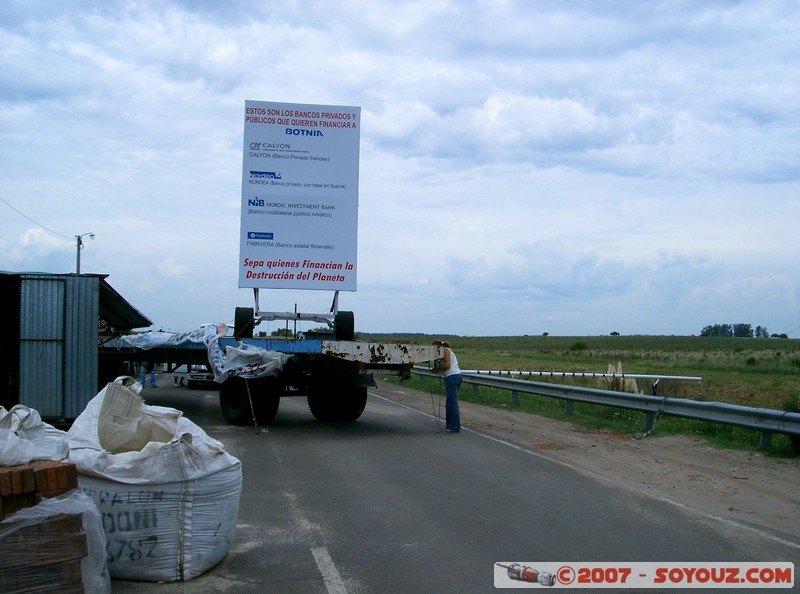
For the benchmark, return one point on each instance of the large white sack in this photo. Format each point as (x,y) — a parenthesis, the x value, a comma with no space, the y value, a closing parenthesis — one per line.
(169,531)
(25,438)
(168,494)
(121,438)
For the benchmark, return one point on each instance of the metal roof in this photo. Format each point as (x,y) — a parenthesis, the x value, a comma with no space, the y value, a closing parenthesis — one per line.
(114,308)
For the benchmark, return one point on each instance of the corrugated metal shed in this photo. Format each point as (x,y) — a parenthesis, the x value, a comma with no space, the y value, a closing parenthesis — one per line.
(49,337)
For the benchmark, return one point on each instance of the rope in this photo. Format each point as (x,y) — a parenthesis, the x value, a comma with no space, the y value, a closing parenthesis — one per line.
(252,408)
(436,415)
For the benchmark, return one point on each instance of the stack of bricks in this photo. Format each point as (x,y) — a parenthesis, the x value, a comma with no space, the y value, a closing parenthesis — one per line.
(44,556)
(27,484)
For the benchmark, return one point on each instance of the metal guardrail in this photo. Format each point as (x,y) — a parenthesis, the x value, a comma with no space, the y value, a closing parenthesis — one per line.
(765,420)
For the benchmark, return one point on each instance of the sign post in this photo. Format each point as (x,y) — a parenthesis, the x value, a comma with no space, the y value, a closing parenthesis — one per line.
(299,217)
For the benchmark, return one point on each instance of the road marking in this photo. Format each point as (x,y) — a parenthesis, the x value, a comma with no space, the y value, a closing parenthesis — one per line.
(333,581)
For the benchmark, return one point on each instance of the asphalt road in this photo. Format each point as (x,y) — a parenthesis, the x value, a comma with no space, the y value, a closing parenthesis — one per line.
(392,504)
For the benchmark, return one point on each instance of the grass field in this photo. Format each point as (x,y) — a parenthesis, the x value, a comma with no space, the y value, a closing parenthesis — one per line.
(746,371)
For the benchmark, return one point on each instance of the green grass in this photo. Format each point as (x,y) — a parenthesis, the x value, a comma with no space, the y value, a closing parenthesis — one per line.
(746,371)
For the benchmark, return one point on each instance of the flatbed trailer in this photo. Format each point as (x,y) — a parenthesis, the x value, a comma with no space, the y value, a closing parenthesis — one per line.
(332,374)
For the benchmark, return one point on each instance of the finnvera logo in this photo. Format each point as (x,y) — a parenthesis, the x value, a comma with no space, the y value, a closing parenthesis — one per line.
(260,235)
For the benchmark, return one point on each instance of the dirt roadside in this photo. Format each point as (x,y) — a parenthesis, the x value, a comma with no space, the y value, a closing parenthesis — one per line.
(747,488)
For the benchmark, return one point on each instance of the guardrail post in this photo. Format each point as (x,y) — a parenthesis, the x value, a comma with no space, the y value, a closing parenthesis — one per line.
(766,440)
(568,407)
(475,389)
(649,421)
(514,397)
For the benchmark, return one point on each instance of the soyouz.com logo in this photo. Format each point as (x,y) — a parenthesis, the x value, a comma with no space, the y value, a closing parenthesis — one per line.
(644,575)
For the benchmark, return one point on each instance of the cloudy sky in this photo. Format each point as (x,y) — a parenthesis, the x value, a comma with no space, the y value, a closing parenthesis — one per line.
(574,168)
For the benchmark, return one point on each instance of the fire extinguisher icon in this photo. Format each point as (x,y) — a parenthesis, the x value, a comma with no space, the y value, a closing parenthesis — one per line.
(523,573)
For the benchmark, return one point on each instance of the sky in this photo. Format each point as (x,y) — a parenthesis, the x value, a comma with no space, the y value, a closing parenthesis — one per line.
(526,167)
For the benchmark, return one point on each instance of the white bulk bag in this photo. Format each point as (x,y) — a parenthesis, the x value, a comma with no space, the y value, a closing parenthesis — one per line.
(25,438)
(168,494)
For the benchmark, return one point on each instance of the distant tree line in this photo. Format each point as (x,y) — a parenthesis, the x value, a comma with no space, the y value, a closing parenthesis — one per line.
(738,331)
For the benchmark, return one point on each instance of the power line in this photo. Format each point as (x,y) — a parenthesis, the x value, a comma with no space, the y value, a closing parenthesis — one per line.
(15,209)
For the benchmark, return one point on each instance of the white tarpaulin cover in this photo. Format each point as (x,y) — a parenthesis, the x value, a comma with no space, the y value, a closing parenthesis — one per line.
(149,340)
(245,361)
(168,494)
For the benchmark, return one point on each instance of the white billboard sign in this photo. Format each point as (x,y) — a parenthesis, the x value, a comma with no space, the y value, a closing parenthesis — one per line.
(299,220)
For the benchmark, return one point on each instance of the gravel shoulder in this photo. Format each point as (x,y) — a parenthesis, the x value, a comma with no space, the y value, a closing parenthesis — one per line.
(746,488)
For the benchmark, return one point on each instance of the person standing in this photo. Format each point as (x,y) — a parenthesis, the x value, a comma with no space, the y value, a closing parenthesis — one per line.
(448,367)
(151,369)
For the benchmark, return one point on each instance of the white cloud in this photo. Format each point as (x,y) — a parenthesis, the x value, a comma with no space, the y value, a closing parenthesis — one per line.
(570,168)
(170,267)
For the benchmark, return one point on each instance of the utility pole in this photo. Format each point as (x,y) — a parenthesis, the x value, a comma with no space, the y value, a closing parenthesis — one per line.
(78,248)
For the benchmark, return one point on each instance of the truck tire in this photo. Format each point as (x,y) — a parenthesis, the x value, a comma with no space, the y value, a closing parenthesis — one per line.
(344,325)
(337,406)
(265,413)
(243,322)
(234,401)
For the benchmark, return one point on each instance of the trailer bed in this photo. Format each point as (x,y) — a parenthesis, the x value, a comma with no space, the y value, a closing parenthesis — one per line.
(373,355)
(253,374)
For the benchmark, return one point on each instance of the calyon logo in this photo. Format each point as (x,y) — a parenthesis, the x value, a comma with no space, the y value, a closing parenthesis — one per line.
(259,146)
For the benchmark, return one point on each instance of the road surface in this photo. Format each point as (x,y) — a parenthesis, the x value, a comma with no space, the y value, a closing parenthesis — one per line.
(391,503)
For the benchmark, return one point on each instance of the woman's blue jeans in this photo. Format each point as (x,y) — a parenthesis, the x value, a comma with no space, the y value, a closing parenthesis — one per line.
(452,418)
